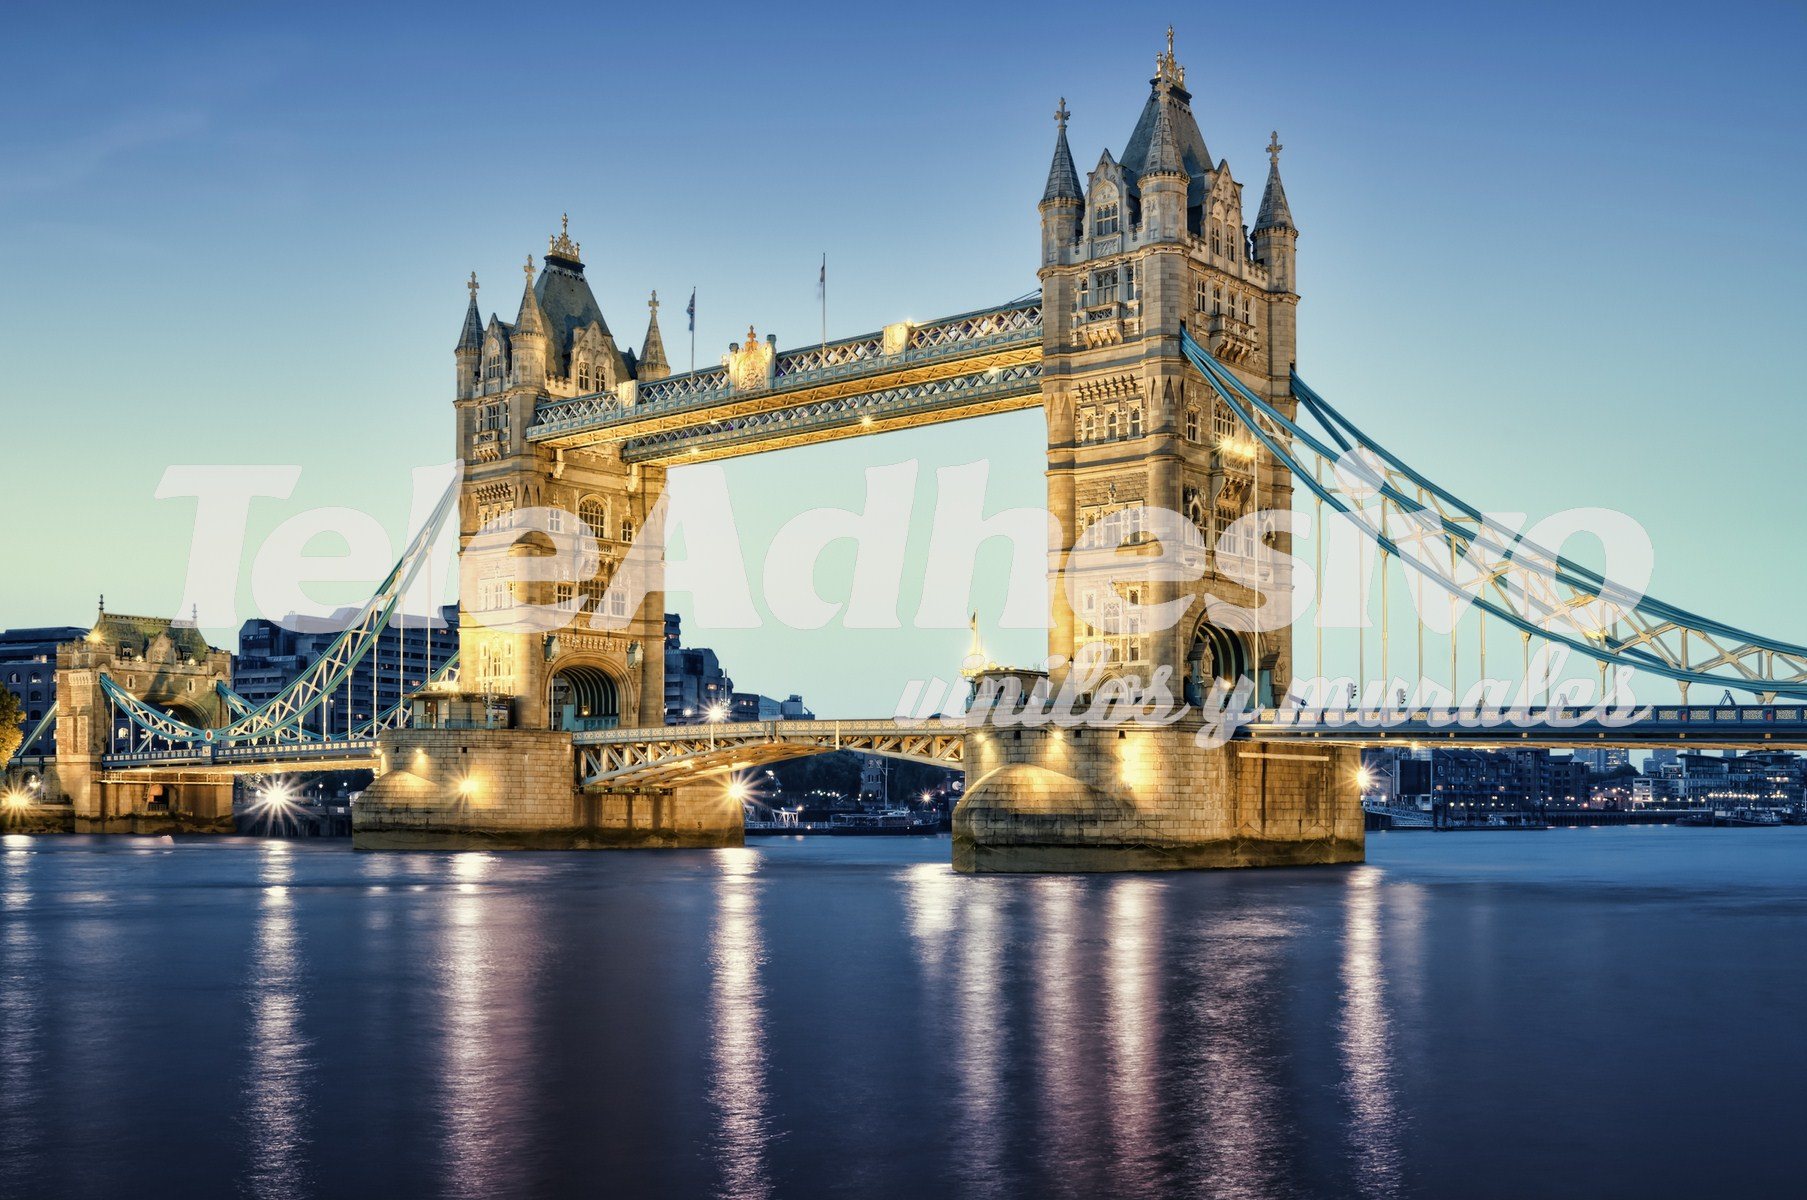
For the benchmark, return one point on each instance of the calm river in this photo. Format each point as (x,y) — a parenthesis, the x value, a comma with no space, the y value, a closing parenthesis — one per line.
(1586,1013)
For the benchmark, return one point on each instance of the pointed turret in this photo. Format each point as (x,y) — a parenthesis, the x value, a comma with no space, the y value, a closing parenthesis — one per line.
(1062,202)
(1164,180)
(652,363)
(471,336)
(1274,213)
(1163,143)
(529,338)
(469,351)
(1063,177)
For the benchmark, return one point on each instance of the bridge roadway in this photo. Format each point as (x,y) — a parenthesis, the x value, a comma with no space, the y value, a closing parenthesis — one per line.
(668,756)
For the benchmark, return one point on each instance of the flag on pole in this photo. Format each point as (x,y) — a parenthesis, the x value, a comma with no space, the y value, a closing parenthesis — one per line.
(691,311)
(822,280)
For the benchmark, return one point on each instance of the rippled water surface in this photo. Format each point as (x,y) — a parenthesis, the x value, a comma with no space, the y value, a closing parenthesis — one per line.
(1567,1013)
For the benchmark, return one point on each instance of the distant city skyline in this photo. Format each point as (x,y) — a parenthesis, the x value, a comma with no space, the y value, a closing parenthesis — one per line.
(1554,271)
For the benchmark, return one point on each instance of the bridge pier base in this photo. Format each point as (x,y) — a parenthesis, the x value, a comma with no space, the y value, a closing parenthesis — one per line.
(1151,799)
(449,789)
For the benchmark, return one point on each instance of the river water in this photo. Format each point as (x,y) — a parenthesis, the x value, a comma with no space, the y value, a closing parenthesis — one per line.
(1566,1013)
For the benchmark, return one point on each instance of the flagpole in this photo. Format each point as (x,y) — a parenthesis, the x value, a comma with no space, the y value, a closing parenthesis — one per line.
(693,330)
(824,289)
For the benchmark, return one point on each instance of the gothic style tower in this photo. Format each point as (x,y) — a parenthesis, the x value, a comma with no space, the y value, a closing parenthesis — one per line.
(1151,245)
(1155,242)
(523,504)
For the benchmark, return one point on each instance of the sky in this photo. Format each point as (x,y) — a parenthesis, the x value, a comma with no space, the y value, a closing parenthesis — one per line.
(1550,254)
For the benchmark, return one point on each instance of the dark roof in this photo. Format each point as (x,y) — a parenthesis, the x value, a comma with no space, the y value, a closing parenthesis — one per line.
(471,336)
(1063,177)
(1193,154)
(568,305)
(1274,212)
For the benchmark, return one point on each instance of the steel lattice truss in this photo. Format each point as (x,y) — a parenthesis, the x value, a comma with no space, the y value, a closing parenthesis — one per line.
(926,397)
(283,716)
(1471,555)
(671,756)
(943,340)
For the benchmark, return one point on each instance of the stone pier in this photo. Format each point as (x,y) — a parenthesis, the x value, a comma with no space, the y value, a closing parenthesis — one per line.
(440,789)
(1150,799)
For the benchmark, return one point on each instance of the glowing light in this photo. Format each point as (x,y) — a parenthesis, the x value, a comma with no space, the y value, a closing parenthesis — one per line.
(15,800)
(1241,448)
(718,711)
(1364,778)
(739,790)
(467,787)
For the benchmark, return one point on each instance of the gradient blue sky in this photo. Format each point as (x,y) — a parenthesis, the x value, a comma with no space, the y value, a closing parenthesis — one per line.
(1550,253)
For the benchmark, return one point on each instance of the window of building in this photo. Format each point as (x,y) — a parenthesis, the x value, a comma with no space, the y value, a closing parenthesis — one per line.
(595,514)
(1216,239)
(627,529)
(1192,424)
(1135,421)
(1105,220)
(1104,290)
(1216,301)
(1201,295)
(583,376)
(1111,426)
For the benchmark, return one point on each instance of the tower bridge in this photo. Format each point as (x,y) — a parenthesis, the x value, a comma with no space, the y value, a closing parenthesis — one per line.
(1161,346)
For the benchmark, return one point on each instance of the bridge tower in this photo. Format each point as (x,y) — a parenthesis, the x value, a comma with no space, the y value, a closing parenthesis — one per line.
(603,664)
(1149,244)
(165,663)
(561,602)
(1152,243)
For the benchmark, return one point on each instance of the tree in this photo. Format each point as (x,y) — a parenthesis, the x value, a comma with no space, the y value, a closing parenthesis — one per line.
(12,723)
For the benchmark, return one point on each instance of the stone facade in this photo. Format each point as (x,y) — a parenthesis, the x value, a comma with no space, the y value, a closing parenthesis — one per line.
(1144,798)
(548,527)
(1152,244)
(516,788)
(166,664)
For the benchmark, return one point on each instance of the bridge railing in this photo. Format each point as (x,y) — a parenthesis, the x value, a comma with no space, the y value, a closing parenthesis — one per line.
(777,730)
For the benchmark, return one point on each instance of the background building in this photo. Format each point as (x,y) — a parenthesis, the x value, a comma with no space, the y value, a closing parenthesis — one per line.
(406,655)
(28,671)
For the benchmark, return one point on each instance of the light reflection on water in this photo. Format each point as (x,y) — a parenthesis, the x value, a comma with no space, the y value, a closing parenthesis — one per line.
(276,1116)
(1367,1041)
(1132,988)
(737,1083)
(294,1019)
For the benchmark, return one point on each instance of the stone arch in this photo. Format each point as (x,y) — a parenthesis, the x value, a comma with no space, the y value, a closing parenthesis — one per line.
(1213,654)
(584,693)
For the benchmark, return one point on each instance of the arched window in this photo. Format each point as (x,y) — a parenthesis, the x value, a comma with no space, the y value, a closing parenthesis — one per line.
(1216,239)
(1135,422)
(583,376)
(1105,219)
(594,513)
(1110,425)
(1192,424)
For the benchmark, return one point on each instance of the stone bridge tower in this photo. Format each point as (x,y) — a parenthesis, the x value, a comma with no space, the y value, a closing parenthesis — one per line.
(1152,243)
(522,505)
(165,663)
(1149,245)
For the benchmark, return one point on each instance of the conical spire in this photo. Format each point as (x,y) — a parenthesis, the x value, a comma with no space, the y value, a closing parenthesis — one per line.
(653,364)
(1063,177)
(471,337)
(531,319)
(1163,144)
(1274,213)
